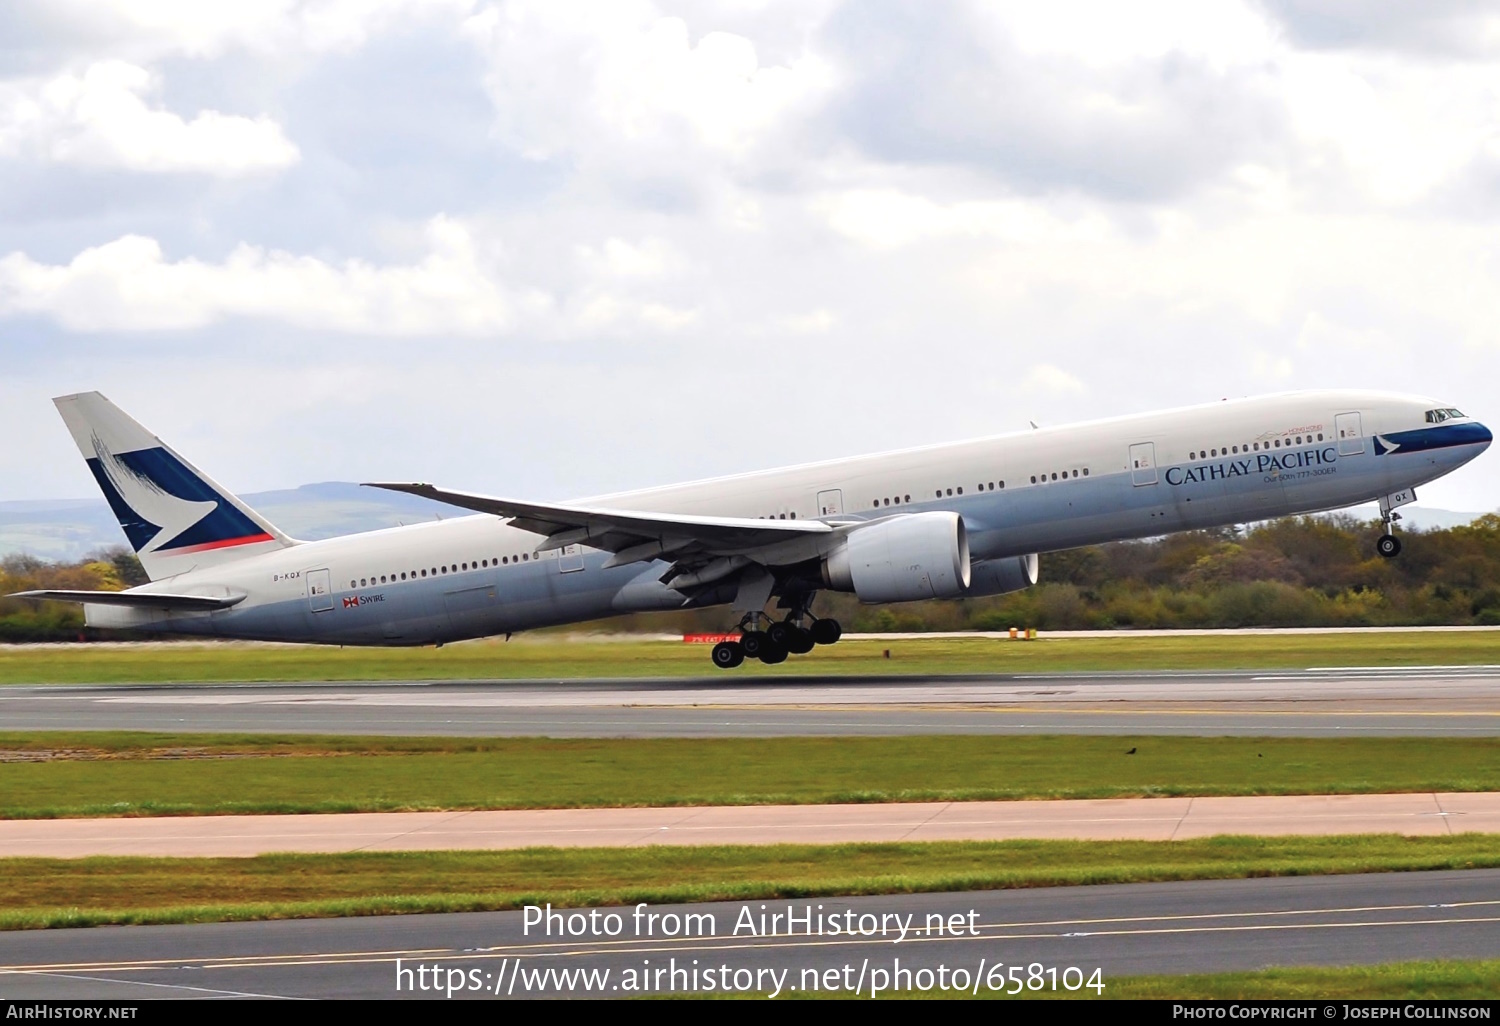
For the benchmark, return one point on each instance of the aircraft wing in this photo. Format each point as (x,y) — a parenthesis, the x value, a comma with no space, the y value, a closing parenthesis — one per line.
(630,534)
(139,599)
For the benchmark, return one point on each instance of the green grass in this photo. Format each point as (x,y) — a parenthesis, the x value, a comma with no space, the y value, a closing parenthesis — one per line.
(94,774)
(38,893)
(543,658)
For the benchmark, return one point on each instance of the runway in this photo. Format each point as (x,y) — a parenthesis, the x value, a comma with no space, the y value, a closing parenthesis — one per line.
(1145,819)
(1445,701)
(1172,928)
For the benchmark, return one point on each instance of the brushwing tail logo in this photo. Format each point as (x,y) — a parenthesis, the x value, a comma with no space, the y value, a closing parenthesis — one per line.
(165,507)
(1384,446)
(153,507)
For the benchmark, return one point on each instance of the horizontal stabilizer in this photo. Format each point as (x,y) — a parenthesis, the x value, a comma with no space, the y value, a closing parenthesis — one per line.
(137,599)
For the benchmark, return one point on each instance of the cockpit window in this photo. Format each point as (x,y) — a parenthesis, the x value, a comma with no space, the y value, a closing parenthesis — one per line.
(1455,414)
(1438,416)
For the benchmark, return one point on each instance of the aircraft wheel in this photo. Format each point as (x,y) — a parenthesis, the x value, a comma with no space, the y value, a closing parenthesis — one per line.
(826,632)
(801,641)
(780,634)
(771,654)
(1388,546)
(728,654)
(753,643)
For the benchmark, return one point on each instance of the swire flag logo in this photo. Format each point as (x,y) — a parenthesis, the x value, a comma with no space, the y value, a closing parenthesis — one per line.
(352,602)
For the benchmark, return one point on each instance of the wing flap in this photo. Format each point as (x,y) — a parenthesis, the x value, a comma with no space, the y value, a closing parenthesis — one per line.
(137,599)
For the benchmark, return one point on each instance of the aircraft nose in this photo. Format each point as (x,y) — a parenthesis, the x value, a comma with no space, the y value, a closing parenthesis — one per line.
(1482,435)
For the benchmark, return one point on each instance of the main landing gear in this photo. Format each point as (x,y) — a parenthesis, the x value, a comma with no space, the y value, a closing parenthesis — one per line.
(779,639)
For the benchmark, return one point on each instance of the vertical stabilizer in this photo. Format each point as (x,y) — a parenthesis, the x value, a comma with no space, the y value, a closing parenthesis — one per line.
(175,517)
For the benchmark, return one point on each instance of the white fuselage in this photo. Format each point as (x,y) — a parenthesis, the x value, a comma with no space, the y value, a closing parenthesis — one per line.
(1033,491)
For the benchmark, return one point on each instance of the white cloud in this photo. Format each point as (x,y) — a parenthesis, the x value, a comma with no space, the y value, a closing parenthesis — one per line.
(1319,332)
(1397,131)
(128,285)
(100,118)
(617,258)
(814,322)
(888,218)
(1101,32)
(1048,380)
(150,28)
(617,76)
(611,312)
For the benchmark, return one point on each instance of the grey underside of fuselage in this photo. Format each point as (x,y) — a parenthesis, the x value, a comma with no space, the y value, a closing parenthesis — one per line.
(1003,523)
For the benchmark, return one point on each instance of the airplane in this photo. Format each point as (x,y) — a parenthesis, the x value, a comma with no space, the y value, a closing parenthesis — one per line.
(943,521)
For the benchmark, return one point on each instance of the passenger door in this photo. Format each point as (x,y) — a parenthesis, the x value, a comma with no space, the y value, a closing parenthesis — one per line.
(319,591)
(831,502)
(1143,463)
(1351,437)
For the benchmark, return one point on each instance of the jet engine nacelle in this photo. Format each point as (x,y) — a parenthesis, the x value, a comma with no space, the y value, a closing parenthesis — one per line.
(917,556)
(998,576)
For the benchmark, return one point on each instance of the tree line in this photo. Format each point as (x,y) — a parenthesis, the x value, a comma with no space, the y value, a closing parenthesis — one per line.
(1293,572)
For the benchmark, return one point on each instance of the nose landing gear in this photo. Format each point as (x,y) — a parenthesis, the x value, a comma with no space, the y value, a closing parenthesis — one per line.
(1388,545)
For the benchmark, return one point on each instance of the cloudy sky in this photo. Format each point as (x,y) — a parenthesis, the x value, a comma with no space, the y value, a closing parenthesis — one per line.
(546,249)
